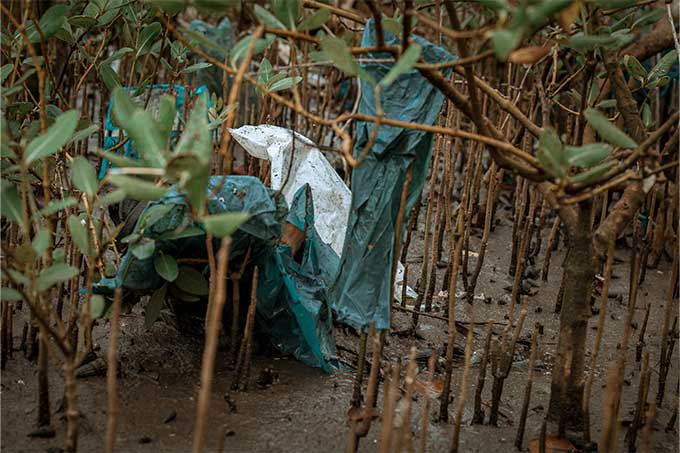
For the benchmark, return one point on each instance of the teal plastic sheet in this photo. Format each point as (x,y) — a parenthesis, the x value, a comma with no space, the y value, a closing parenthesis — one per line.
(292,306)
(361,291)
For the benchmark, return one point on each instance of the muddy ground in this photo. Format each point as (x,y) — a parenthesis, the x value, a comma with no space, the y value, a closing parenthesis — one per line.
(304,409)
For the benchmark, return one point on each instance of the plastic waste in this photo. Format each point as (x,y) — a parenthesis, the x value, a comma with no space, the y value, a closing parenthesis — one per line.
(361,292)
(293,308)
(332,198)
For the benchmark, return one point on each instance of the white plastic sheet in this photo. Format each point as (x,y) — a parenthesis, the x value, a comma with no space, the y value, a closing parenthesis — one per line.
(332,198)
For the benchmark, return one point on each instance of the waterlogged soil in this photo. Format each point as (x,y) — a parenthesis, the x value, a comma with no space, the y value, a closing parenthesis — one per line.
(290,407)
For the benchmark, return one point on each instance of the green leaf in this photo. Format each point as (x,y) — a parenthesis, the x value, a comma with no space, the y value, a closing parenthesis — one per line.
(505,41)
(195,67)
(155,305)
(593,174)
(50,22)
(196,141)
(220,225)
(190,231)
(54,207)
(339,54)
(109,76)
(119,160)
(606,104)
(267,18)
(5,71)
(550,153)
(116,196)
(41,242)
(265,72)
(152,214)
(607,130)
(10,203)
(615,4)
(166,267)
(147,36)
(664,65)
(10,295)
(316,20)
(635,68)
(404,64)
(79,233)
(658,83)
(167,111)
(650,17)
(54,138)
(98,306)
(240,48)
(84,22)
(288,11)
(285,84)
(59,254)
(55,274)
(118,54)
(141,127)
(83,133)
(587,155)
(143,248)
(137,188)
(83,175)
(583,42)
(192,281)
(647,118)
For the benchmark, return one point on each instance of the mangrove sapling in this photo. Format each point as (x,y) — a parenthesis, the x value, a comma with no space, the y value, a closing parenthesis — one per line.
(549,248)
(44,412)
(457,235)
(670,426)
(425,418)
(463,388)
(478,413)
(435,252)
(366,415)
(398,228)
(609,436)
(640,406)
(112,373)
(502,361)
(647,430)
(359,375)
(525,238)
(214,317)
(412,224)
(404,434)
(667,332)
(519,438)
(421,286)
(242,370)
(488,208)
(469,213)
(641,338)
(404,286)
(604,301)
(519,207)
(390,397)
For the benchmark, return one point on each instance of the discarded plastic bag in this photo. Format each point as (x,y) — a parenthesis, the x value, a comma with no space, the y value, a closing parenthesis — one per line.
(332,198)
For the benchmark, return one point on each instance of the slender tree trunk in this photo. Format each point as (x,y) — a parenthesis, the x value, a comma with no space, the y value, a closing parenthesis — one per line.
(574,316)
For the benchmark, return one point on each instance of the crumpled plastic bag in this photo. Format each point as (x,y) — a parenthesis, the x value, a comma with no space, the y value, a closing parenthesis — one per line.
(332,198)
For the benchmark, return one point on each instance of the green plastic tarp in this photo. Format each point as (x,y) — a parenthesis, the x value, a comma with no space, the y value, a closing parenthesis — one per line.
(361,291)
(292,306)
